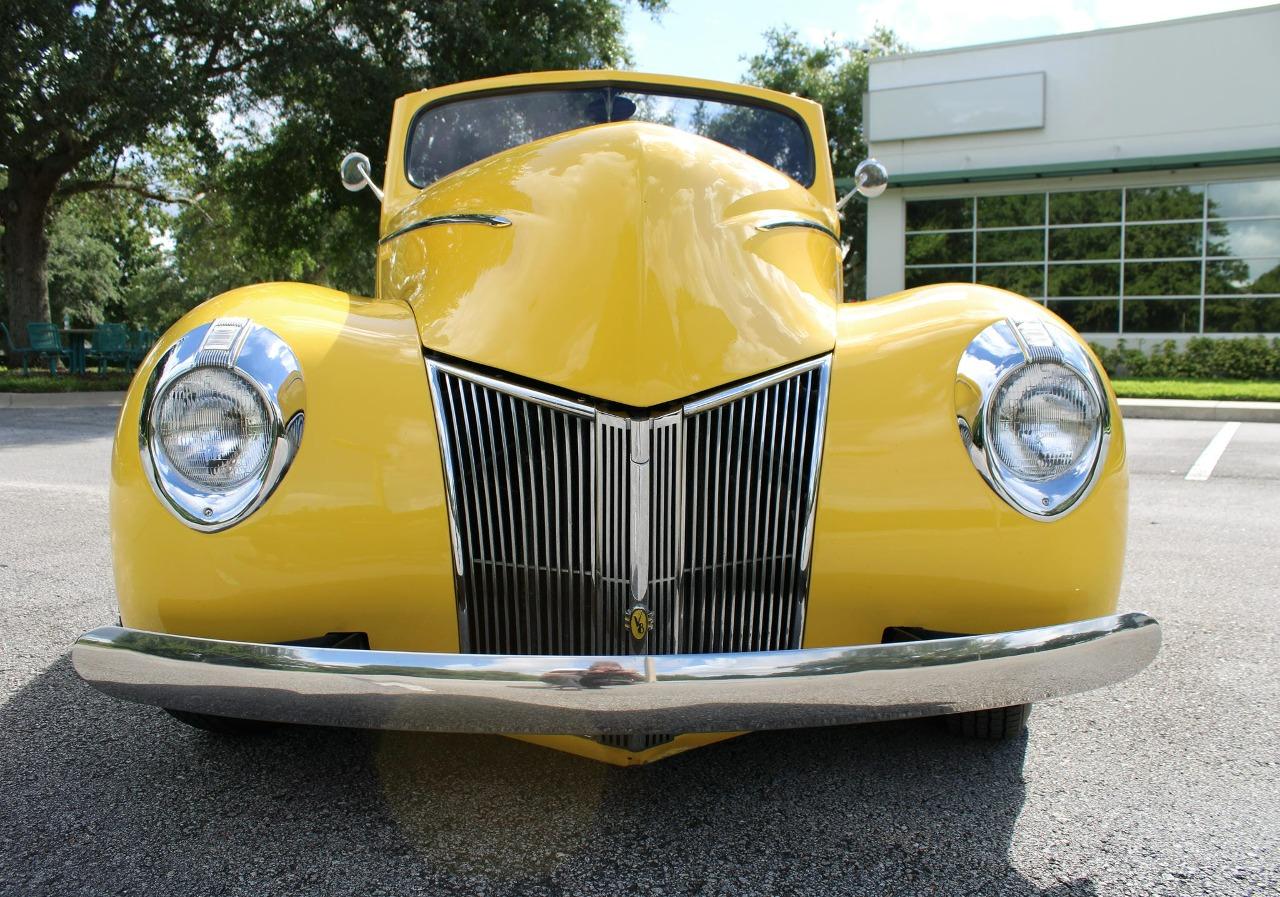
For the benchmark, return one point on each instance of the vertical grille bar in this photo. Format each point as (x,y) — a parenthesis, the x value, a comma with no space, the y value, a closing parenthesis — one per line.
(666,462)
(542,495)
(716,507)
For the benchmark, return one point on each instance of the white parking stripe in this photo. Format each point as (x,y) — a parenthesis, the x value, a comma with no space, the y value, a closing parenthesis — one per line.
(1208,460)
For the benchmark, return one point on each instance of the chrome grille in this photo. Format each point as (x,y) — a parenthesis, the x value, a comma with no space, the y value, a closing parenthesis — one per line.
(521,476)
(565,517)
(751,465)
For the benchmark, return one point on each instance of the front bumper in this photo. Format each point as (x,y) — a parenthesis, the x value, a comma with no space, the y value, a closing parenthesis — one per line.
(676,693)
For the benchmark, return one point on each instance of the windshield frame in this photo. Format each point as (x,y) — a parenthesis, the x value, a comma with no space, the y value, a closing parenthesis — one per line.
(680,92)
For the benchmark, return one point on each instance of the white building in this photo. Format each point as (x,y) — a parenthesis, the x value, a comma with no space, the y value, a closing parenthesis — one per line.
(1129,178)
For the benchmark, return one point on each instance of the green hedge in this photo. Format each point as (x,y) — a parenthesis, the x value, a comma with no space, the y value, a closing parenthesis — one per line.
(1200,358)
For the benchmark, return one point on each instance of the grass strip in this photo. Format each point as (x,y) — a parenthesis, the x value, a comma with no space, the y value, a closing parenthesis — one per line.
(1204,390)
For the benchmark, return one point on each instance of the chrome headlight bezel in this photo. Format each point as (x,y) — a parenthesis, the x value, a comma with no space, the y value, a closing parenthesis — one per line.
(267,364)
(998,353)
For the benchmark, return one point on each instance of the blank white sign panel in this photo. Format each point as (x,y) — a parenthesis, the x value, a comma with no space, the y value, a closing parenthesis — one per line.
(1008,103)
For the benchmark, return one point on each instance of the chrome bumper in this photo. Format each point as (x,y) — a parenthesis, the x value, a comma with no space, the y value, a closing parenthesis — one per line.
(596,695)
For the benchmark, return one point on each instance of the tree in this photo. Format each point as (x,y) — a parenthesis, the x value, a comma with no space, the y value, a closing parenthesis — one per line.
(834,74)
(119,95)
(89,86)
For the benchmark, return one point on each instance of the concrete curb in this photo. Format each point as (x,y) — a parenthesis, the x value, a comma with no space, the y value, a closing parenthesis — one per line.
(61,399)
(1183,409)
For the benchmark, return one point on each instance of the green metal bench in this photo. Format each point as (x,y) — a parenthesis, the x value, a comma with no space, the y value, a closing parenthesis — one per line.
(47,342)
(12,352)
(109,345)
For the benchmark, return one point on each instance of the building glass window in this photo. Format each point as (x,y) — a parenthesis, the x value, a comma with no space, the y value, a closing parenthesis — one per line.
(1090,315)
(1164,203)
(940,214)
(1162,278)
(939,248)
(1250,237)
(1028,280)
(1084,280)
(1235,276)
(1252,315)
(1244,199)
(1163,241)
(1069,244)
(1181,258)
(1085,207)
(1019,210)
(1161,315)
(1011,245)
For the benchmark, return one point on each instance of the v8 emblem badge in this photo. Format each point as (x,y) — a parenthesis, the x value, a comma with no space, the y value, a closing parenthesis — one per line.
(639,622)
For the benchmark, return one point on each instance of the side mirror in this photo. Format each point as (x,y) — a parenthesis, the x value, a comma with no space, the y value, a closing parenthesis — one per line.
(355,173)
(869,180)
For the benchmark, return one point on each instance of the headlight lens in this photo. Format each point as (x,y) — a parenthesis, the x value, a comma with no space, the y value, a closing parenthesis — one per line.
(1045,420)
(214,429)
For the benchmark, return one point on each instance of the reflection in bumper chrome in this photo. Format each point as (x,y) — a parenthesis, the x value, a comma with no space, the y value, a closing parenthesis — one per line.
(594,695)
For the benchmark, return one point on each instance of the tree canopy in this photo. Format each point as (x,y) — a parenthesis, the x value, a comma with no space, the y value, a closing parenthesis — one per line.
(833,73)
(98,96)
(247,104)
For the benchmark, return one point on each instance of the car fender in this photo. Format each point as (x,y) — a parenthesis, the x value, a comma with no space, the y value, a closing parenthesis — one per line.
(907,531)
(354,538)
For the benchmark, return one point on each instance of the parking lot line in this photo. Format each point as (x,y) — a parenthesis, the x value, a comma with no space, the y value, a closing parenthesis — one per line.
(1208,460)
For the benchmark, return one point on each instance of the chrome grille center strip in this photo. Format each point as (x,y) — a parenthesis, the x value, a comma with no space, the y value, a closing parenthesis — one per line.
(577,530)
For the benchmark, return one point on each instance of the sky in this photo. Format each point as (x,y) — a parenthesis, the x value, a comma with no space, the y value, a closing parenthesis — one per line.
(707,38)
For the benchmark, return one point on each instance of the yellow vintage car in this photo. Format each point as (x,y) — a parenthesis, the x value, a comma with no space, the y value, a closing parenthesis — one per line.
(607,464)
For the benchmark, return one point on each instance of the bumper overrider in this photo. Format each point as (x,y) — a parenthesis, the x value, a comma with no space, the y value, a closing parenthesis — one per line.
(614,695)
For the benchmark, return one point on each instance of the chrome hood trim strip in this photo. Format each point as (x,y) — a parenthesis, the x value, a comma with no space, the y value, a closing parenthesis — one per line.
(798,222)
(457,218)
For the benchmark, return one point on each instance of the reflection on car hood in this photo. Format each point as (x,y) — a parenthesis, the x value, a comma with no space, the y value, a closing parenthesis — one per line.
(634,269)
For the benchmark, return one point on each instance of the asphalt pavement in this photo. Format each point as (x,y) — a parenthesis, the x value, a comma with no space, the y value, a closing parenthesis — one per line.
(1166,784)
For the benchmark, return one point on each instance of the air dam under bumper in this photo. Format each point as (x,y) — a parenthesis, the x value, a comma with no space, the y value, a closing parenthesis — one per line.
(628,694)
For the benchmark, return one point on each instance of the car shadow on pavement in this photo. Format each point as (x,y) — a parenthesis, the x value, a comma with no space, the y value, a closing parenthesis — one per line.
(98,796)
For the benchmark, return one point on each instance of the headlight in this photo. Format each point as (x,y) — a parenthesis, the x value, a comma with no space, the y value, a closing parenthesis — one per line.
(221,422)
(1032,412)
(214,429)
(1046,418)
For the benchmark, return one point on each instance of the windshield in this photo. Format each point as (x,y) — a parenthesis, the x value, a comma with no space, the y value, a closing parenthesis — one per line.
(452,135)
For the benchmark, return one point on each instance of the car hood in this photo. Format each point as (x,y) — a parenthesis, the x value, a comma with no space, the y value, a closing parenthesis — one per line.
(634,270)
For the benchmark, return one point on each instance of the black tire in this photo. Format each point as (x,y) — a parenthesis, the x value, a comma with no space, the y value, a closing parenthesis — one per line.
(221,725)
(996,724)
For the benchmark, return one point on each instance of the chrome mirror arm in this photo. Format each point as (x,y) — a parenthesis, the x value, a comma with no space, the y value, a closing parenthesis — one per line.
(356,174)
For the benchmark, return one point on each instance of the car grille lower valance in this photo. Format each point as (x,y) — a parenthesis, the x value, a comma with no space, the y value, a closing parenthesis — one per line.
(580,531)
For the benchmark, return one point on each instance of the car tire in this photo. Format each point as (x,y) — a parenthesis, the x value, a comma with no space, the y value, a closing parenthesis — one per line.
(221,725)
(996,724)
